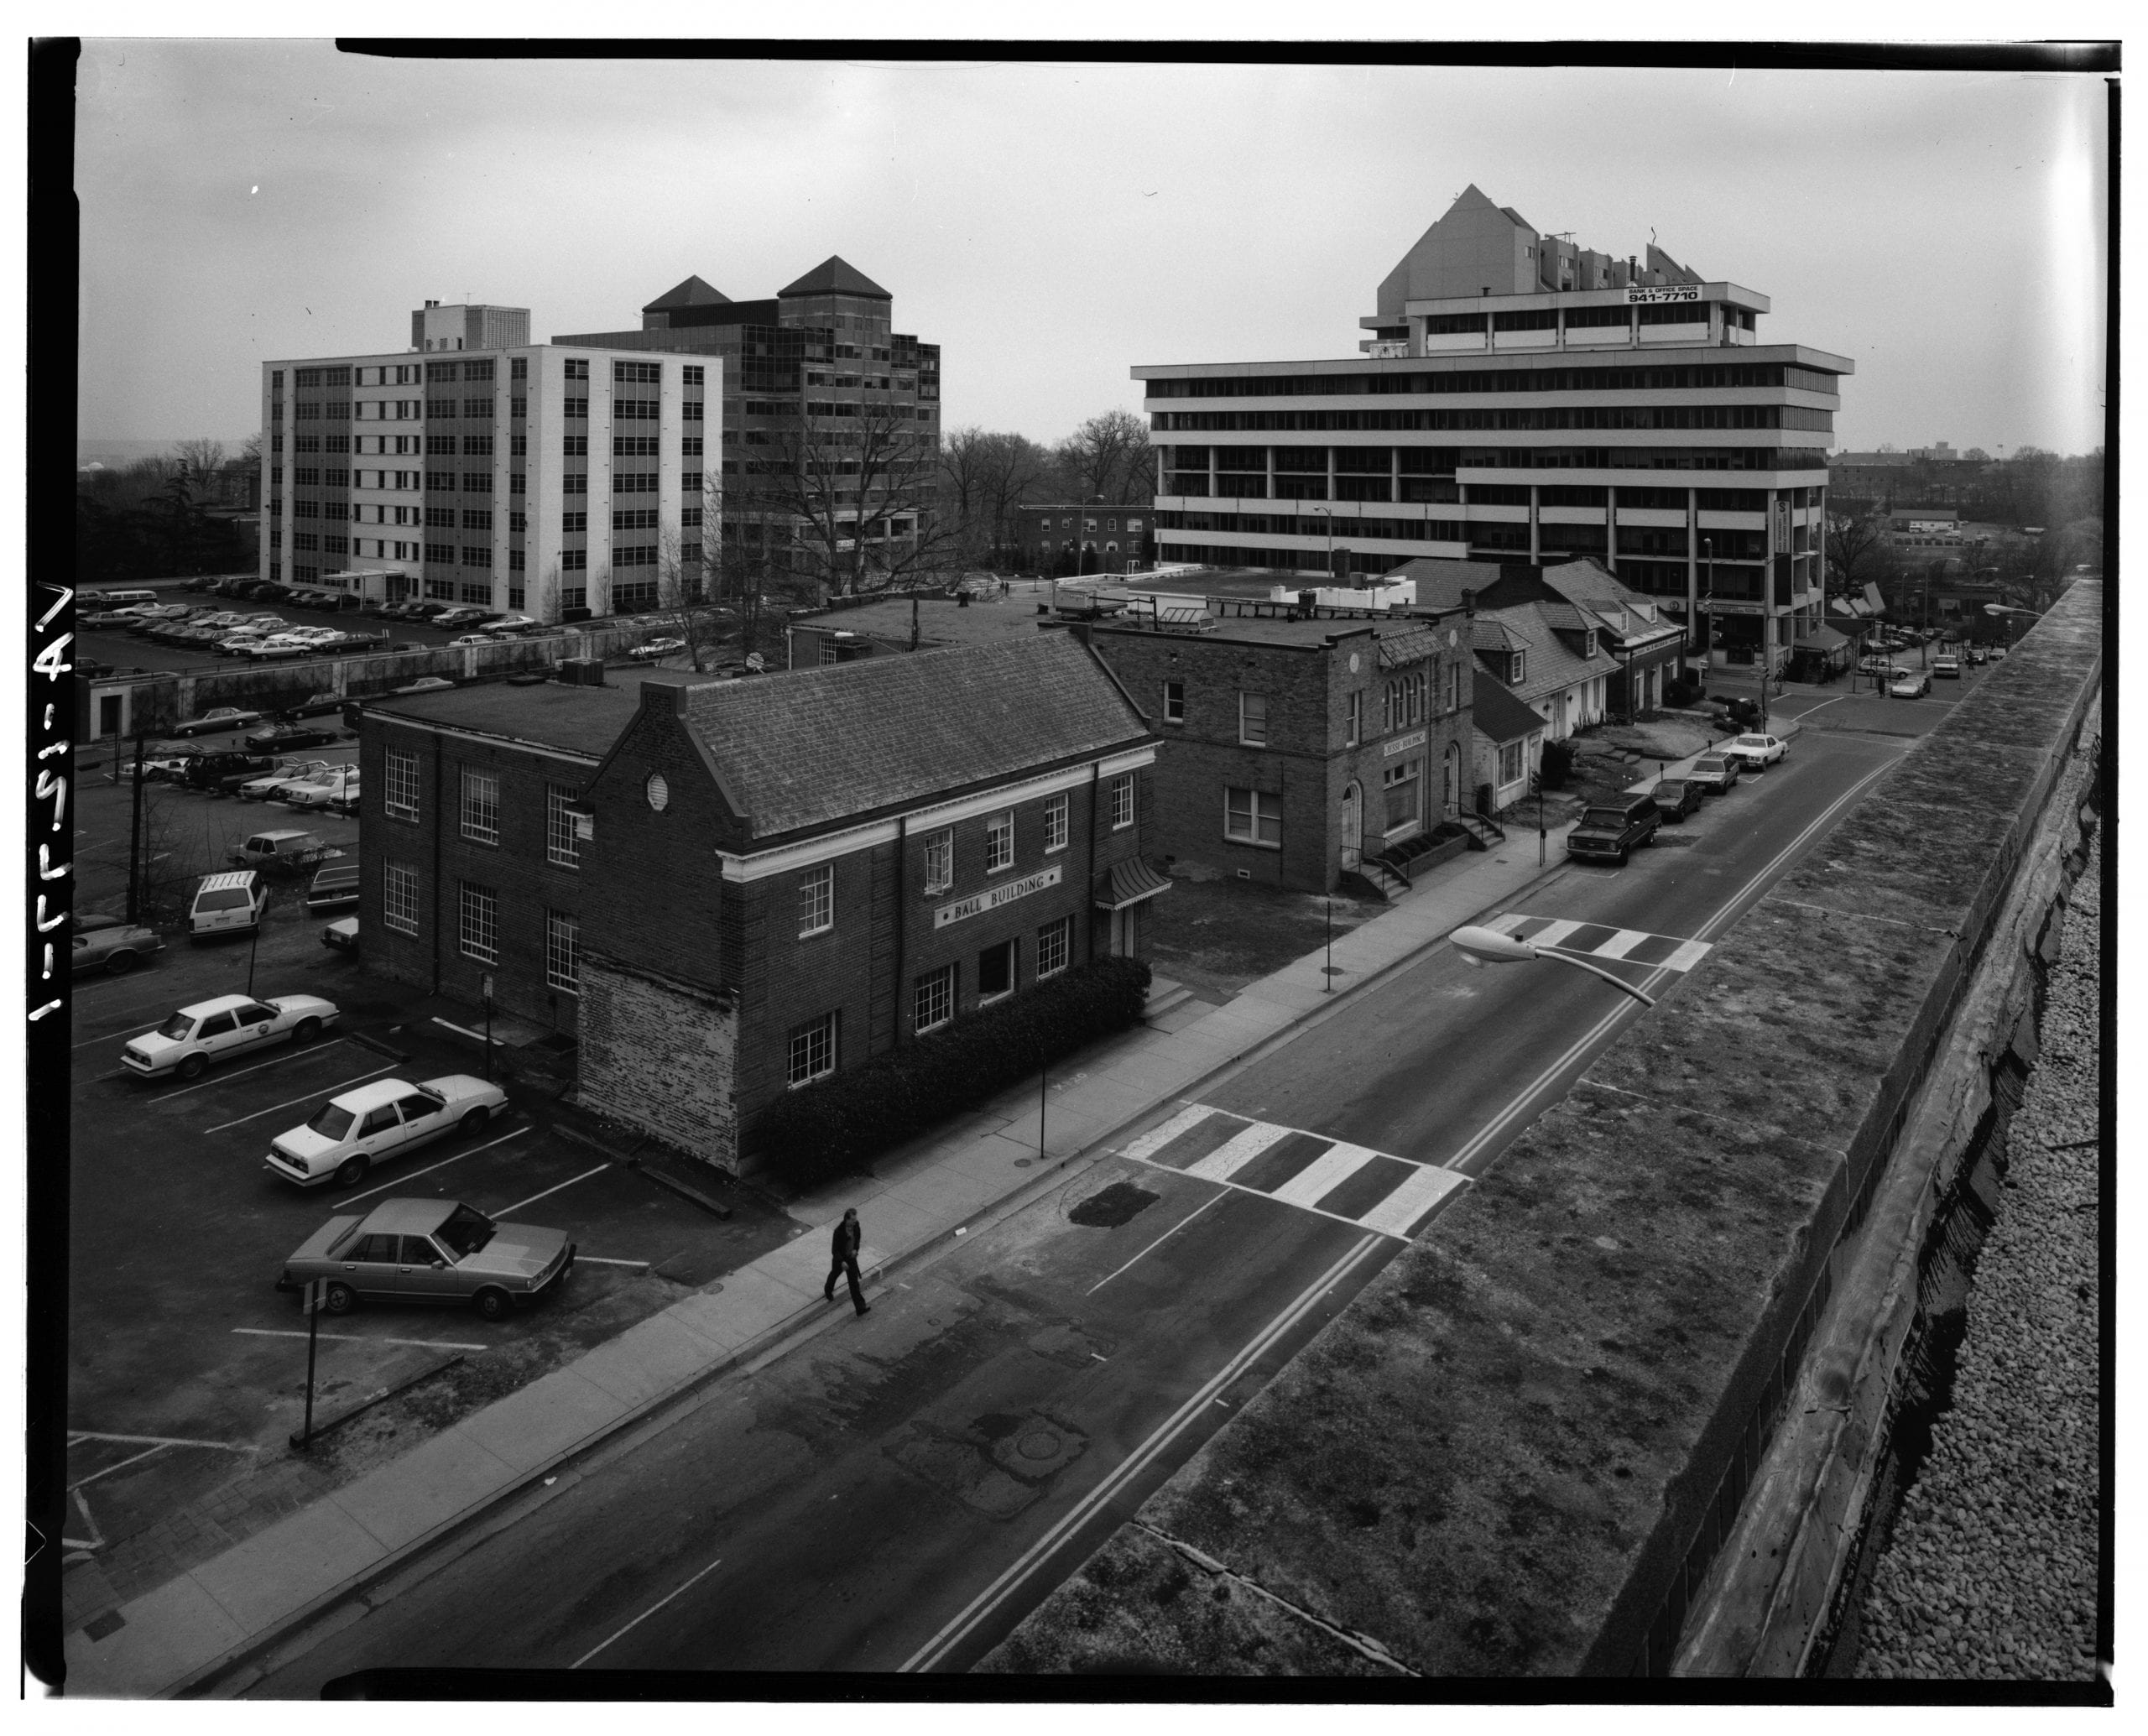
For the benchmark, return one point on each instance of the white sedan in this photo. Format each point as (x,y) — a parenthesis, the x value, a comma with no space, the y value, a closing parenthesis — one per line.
(1755,750)
(270,785)
(280,644)
(471,638)
(324,791)
(1910,685)
(370,1123)
(210,1030)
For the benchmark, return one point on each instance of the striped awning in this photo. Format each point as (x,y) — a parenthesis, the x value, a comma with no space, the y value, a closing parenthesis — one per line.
(1127,883)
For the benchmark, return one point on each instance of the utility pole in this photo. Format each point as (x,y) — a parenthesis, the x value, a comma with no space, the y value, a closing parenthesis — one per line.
(135,840)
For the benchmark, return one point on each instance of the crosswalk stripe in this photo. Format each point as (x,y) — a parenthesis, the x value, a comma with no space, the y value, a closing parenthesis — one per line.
(1235,1153)
(1323,1175)
(1689,954)
(1620,944)
(1552,935)
(1418,1194)
(1157,1138)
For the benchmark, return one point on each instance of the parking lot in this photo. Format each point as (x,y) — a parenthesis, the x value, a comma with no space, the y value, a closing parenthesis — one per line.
(187,1367)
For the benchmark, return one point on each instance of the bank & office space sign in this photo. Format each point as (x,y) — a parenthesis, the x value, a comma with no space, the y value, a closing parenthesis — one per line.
(1655,294)
(993,897)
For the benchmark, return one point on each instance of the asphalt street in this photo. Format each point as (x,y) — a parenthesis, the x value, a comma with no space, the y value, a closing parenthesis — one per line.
(895,1492)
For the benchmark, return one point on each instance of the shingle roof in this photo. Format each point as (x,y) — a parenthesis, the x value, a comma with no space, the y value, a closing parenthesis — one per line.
(1551,667)
(692,292)
(1486,633)
(835,276)
(1410,646)
(1498,714)
(826,745)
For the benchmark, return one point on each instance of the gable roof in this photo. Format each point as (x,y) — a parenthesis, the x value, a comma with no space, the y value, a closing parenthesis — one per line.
(692,292)
(1489,634)
(836,276)
(1551,667)
(1497,714)
(819,747)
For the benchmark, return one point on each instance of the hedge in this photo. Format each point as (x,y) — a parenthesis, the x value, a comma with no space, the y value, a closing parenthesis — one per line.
(836,1125)
(1557,764)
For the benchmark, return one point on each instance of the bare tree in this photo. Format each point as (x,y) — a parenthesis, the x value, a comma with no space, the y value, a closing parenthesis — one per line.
(1016,470)
(201,458)
(983,476)
(851,489)
(686,585)
(1106,458)
(1854,545)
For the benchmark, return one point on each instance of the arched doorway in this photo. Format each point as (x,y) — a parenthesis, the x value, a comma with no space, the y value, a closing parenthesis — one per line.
(1451,795)
(1352,827)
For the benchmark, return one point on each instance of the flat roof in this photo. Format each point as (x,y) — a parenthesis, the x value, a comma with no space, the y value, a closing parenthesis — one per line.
(569,719)
(1243,629)
(1800,354)
(941,621)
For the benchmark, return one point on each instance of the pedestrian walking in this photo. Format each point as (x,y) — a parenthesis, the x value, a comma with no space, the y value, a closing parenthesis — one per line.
(849,1237)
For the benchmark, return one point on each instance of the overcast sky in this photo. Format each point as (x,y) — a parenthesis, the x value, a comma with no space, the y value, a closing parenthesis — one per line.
(1051,226)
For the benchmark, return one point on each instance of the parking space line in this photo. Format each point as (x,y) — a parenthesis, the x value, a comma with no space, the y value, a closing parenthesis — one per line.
(356,1079)
(595,1259)
(131,1458)
(263,1331)
(290,1053)
(548,1191)
(354,1198)
(75,1436)
(115,1037)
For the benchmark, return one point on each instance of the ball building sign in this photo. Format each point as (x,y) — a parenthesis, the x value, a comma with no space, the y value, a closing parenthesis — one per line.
(994,898)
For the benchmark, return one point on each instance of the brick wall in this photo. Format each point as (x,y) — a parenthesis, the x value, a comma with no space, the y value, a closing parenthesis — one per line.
(657,1053)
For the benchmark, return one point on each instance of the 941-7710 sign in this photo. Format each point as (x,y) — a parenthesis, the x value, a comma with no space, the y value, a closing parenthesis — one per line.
(994,897)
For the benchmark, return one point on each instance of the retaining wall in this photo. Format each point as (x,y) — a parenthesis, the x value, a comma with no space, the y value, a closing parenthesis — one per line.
(1520,1449)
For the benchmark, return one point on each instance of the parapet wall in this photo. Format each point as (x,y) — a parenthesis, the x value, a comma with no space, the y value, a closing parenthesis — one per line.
(1519,1449)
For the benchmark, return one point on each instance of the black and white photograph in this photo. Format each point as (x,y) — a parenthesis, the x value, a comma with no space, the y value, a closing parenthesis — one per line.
(1132,871)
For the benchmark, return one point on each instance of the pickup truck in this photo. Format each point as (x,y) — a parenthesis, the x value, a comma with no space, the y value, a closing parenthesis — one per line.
(222,774)
(1612,830)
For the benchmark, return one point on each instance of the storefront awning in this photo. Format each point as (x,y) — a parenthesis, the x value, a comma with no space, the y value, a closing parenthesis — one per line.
(1822,639)
(1129,883)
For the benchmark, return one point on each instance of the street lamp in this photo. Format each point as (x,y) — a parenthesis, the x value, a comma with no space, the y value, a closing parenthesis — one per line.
(1328,514)
(1487,946)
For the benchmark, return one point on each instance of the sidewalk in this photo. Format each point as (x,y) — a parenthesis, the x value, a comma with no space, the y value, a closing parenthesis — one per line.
(239,1603)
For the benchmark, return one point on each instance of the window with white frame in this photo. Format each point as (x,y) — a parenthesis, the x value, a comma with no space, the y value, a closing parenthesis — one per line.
(812,1051)
(1453,687)
(1174,702)
(940,861)
(1517,668)
(562,848)
(1122,802)
(1253,719)
(398,896)
(401,781)
(995,972)
(480,931)
(932,999)
(1511,761)
(816,900)
(1401,786)
(999,841)
(1054,945)
(1253,816)
(481,806)
(563,952)
(1353,724)
(1055,824)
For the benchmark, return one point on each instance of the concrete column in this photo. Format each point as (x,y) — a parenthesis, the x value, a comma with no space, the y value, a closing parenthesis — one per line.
(1535,552)
(1611,527)
(1692,571)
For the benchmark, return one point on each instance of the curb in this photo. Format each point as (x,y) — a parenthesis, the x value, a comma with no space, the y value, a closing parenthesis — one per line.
(804,1322)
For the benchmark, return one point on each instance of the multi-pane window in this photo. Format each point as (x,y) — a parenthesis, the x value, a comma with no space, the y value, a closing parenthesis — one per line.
(398,896)
(1174,702)
(816,900)
(480,928)
(1055,824)
(1402,702)
(1453,700)
(1122,801)
(813,1049)
(1253,719)
(562,848)
(940,861)
(481,806)
(402,785)
(999,841)
(563,952)
(932,1000)
(1055,944)
(1253,816)
(1517,668)
(995,972)
(1355,724)
(1510,762)
(1400,785)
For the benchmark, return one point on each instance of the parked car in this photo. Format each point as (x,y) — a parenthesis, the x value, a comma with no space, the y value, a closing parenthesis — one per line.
(226,904)
(345,799)
(512,623)
(322,704)
(650,649)
(185,1043)
(238,643)
(221,774)
(1912,685)
(1675,798)
(464,615)
(341,936)
(1979,654)
(471,638)
(1753,752)
(430,1251)
(115,948)
(1613,829)
(371,1122)
(278,644)
(166,762)
(1947,668)
(333,887)
(1715,773)
(265,787)
(319,792)
(218,717)
(284,737)
(424,684)
(286,850)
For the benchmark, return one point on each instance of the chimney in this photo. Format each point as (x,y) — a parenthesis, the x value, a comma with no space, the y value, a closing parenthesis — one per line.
(432,303)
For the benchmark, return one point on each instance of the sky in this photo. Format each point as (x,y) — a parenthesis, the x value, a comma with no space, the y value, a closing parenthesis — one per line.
(1051,225)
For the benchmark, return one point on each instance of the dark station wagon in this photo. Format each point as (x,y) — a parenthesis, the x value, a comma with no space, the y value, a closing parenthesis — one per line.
(1612,830)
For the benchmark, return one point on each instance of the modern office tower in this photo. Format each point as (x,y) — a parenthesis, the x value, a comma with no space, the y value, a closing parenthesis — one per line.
(821,359)
(1522,398)
(542,478)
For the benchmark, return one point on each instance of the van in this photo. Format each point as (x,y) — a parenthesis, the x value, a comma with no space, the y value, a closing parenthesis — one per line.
(287,850)
(128,599)
(226,904)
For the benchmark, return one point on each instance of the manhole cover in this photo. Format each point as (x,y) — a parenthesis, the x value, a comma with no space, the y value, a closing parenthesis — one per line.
(1038,1448)
(1113,1206)
(1041,1444)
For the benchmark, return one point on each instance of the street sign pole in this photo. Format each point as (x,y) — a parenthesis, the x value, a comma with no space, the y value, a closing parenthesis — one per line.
(316,1292)
(488,1025)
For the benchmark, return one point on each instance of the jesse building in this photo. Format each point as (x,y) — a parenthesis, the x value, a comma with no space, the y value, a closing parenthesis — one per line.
(1522,398)
(477,467)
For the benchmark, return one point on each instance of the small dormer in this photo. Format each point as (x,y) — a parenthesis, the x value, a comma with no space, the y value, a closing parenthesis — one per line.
(1587,643)
(1517,668)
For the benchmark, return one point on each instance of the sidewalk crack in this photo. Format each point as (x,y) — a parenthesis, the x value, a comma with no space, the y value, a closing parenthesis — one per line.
(1363,1644)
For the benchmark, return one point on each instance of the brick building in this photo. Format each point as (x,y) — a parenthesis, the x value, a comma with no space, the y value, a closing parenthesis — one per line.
(799,874)
(469,865)
(1295,749)
(1076,539)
